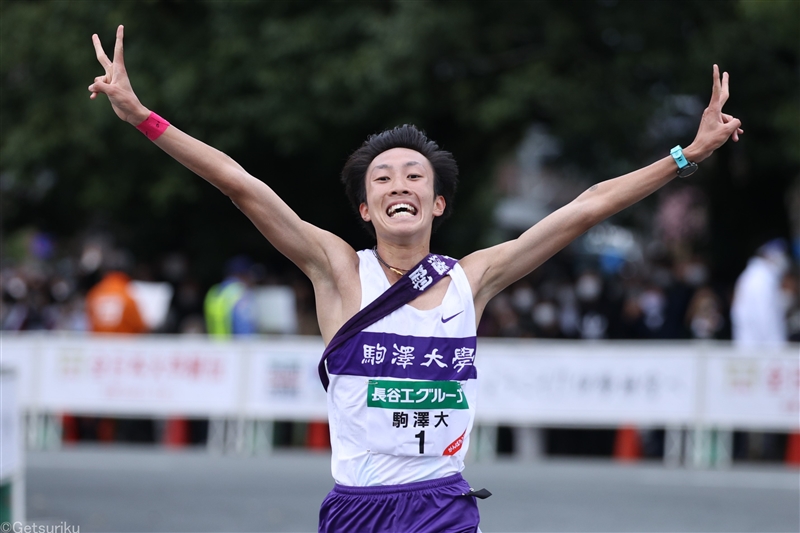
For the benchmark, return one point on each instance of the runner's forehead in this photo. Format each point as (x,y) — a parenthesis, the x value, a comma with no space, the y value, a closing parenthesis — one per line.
(400,158)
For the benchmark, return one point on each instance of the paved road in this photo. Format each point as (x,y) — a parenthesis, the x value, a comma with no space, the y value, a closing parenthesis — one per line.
(129,490)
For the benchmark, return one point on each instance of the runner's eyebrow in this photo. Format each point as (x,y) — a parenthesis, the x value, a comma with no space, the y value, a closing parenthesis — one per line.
(387,165)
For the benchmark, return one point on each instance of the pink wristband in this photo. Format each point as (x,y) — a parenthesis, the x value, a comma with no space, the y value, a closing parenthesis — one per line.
(153,126)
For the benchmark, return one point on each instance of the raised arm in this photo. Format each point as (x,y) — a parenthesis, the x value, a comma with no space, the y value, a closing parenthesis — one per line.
(311,248)
(325,258)
(493,269)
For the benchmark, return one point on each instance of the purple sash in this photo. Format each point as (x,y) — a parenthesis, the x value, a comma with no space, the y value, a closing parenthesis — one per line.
(423,276)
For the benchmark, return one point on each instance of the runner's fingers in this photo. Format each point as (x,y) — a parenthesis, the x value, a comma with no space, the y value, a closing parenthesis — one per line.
(715,86)
(724,91)
(118,56)
(734,125)
(100,85)
(727,118)
(101,55)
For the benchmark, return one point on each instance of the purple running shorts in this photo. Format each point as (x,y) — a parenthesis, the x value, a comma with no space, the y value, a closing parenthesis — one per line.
(435,506)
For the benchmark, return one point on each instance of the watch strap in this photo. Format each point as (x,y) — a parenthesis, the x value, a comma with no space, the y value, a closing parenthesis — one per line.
(677,155)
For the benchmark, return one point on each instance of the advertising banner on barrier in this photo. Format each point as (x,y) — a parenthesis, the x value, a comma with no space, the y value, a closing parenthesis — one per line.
(756,390)
(283,382)
(521,382)
(20,354)
(552,383)
(130,376)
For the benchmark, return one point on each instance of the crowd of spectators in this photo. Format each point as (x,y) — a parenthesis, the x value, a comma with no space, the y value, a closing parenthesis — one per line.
(572,296)
(663,299)
(45,287)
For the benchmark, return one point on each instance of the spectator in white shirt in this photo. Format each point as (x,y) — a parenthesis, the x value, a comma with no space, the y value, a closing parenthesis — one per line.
(758,313)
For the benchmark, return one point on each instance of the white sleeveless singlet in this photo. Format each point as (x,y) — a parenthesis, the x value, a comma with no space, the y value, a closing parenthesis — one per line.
(403,392)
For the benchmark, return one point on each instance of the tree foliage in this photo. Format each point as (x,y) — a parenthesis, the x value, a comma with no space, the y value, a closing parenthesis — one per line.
(289,88)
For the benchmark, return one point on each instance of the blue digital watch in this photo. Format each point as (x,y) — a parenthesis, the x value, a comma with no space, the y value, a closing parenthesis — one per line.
(685,167)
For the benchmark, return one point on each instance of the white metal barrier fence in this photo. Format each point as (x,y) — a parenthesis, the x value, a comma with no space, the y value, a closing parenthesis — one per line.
(12,451)
(696,385)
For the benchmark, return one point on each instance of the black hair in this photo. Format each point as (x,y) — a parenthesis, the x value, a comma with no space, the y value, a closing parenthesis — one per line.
(445,169)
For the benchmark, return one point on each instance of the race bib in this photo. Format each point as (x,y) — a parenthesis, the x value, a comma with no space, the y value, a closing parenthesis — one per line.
(413,418)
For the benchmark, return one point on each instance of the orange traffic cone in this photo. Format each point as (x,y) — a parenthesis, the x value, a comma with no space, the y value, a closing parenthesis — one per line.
(106,429)
(176,433)
(318,436)
(69,429)
(627,447)
(793,449)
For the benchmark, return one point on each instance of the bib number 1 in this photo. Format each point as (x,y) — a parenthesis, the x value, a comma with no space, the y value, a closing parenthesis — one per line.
(413,418)
(421,437)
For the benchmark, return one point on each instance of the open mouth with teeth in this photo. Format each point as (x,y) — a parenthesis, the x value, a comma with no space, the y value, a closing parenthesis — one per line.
(401,210)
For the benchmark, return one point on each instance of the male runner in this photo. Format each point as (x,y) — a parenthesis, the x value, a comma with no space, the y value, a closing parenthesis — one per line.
(402,381)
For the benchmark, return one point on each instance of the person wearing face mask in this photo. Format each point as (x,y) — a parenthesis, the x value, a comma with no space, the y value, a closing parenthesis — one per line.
(594,309)
(758,309)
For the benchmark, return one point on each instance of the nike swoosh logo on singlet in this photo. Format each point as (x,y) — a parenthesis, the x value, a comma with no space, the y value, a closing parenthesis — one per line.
(448,319)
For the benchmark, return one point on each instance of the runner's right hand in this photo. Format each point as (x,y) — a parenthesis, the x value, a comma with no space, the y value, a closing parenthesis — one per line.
(116,85)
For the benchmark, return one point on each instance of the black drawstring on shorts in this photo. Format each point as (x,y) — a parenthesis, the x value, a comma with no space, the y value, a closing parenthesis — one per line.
(480,493)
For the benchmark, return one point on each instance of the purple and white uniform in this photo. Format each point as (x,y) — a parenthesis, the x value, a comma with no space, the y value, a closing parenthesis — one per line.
(402,399)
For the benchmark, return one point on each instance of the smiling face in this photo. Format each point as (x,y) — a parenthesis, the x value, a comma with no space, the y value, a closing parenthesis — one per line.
(400,195)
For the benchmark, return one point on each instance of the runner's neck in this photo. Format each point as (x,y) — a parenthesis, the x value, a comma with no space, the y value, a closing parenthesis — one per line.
(397,261)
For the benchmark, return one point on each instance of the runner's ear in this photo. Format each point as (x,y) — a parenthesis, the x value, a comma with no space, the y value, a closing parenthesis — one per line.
(439,205)
(364,211)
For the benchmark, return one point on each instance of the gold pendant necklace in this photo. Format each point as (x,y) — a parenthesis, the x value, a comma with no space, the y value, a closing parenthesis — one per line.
(398,271)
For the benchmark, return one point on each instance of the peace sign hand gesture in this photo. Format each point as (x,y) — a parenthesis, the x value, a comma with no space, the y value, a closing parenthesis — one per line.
(716,127)
(116,85)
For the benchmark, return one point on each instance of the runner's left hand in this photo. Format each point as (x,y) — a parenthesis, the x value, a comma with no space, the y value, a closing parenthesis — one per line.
(716,127)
